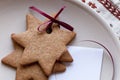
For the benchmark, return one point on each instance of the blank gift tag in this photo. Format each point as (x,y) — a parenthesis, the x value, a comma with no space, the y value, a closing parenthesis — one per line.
(86,65)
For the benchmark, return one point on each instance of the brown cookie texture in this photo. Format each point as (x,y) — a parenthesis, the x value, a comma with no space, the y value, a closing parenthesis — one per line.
(32,25)
(66,57)
(32,71)
(43,48)
(8,59)
(13,59)
(58,68)
(33,22)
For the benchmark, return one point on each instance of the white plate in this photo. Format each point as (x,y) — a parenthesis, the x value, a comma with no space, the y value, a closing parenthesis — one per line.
(87,25)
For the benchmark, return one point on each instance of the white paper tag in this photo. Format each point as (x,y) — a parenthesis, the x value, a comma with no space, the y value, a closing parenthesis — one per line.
(86,65)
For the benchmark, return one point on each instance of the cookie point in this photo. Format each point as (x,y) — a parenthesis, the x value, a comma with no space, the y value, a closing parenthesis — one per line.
(71,60)
(12,35)
(28,15)
(2,60)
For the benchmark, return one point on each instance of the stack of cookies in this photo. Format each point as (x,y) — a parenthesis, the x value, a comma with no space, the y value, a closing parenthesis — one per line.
(37,55)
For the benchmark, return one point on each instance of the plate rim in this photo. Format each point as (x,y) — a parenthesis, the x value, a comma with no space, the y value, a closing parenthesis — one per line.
(99,18)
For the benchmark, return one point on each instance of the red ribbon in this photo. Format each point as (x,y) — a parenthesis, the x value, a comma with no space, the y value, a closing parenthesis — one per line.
(65,25)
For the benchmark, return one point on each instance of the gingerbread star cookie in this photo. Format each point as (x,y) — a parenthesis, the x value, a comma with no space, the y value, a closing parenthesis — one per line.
(33,22)
(13,59)
(32,71)
(43,48)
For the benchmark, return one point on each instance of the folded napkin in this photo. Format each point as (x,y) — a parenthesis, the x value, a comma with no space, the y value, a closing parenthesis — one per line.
(86,65)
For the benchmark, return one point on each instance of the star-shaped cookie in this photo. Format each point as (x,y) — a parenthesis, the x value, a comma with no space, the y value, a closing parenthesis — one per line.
(13,59)
(43,48)
(30,71)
